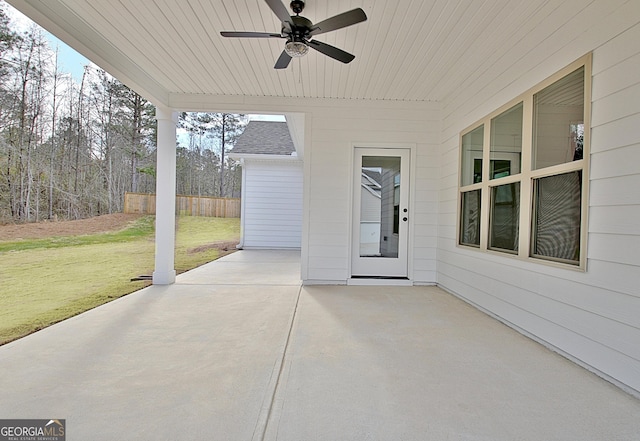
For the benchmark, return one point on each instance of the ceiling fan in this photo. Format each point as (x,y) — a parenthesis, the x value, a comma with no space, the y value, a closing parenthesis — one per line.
(299,32)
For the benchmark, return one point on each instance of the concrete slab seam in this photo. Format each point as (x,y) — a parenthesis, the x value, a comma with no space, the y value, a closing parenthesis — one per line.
(266,415)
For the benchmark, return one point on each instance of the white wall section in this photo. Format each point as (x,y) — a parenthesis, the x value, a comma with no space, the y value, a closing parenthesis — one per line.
(336,128)
(272,205)
(594,316)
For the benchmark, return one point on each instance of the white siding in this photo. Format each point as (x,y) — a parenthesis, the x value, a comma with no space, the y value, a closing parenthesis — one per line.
(332,127)
(272,205)
(335,128)
(592,316)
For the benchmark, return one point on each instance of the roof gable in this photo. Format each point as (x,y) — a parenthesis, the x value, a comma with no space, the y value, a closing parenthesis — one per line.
(265,138)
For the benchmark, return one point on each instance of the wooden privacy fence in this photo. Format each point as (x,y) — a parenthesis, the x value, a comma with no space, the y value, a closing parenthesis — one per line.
(144,203)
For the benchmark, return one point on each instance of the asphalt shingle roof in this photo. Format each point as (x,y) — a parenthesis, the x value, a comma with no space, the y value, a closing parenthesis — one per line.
(265,138)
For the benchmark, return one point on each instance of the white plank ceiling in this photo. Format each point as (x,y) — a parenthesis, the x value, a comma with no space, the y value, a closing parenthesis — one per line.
(408,50)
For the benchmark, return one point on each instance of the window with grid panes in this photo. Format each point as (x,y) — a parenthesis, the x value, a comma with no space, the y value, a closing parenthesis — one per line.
(523,186)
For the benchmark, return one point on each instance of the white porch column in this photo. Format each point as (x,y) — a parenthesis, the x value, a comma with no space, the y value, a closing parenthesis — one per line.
(165,272)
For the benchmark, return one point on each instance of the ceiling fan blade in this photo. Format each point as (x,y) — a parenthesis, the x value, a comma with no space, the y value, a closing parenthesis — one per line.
(339,21)
(250,34)
(280,10)
(331,51)
(283,61)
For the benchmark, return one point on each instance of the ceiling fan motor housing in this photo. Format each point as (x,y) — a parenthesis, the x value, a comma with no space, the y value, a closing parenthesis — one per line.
(300,29)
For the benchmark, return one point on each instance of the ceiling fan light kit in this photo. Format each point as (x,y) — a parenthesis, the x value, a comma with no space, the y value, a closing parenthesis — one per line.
(300,31)
(296,49)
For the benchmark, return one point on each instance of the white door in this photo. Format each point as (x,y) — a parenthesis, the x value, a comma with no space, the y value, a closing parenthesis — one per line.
(380,213)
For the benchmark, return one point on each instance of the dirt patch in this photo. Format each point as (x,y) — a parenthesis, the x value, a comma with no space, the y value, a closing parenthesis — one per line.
(97,224)
(224,247)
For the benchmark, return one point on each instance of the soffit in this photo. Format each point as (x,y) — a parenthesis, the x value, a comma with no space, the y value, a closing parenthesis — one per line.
(407,50)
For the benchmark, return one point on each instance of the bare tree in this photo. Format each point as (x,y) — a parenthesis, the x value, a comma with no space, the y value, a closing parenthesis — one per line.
(72,149)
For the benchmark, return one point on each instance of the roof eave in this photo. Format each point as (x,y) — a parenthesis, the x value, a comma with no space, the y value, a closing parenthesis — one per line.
(264,157)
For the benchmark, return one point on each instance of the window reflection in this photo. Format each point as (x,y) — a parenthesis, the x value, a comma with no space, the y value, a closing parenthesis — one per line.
(505,216)
(472,156)
(506,143)
(379,206)
(470,225)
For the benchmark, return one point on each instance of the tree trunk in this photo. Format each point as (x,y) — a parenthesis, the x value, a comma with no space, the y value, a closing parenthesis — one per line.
(223,135)
(79,136)
(53,135)
(135,140)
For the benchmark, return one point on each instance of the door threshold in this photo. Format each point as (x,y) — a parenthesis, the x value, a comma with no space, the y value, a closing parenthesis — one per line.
(379,281)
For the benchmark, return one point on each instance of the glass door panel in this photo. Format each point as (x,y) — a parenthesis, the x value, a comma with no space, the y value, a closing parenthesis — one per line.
(380,206)
(380,212)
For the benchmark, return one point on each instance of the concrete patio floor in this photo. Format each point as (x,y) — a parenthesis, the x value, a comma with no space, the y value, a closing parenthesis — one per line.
(239,350)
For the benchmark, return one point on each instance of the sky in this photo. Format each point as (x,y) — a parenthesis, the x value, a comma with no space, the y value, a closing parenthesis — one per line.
(72,62)
(69,60)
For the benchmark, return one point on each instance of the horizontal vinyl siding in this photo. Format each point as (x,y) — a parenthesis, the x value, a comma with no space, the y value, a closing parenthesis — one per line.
(425,214)
(592,316)
(272,216)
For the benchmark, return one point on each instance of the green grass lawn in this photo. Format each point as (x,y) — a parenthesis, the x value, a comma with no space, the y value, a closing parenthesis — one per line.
(43,281)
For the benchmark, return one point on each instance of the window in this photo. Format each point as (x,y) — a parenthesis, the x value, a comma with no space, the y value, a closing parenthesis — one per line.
(505,217)
(506,143)
(558,116)
(470,225)
(556,224)
(472,156)
(523,173)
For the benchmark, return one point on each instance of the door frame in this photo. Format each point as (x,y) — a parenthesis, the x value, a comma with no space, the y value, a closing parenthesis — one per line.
(377,280)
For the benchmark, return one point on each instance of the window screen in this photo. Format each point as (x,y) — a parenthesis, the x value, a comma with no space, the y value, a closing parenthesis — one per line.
(556,226)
